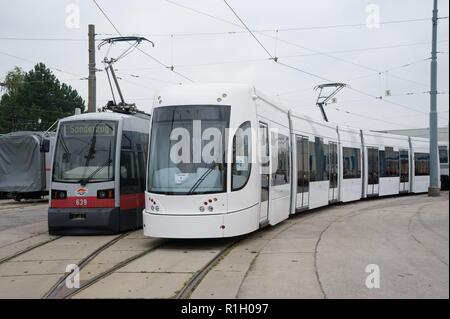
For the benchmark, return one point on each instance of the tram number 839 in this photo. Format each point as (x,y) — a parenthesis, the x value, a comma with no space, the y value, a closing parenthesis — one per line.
(81,202)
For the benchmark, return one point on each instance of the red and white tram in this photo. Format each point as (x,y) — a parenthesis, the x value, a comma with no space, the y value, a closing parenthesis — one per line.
(98,174)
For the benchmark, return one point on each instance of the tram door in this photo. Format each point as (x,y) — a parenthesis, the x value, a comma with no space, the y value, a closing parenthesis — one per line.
(302,200)
(334,169)
(264,147)
(404,171)
(373,167)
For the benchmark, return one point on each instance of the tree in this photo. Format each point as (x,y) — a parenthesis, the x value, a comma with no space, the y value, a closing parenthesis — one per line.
(34,100)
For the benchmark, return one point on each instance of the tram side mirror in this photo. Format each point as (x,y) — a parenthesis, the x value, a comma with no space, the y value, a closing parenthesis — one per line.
(45,146)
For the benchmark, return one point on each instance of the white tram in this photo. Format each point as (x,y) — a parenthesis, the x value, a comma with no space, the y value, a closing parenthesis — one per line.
(225,160)
(98,174)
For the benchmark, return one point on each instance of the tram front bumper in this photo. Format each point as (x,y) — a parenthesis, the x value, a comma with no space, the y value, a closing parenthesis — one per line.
(201,226)
(83,221)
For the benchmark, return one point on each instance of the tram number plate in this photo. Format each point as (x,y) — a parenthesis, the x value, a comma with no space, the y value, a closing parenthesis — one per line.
(81,202)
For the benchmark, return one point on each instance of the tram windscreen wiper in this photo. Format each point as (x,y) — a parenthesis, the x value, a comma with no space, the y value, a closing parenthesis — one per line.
(83,181)
(203,177)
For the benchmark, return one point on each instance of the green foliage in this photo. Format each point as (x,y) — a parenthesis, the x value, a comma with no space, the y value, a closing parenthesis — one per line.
(34,100)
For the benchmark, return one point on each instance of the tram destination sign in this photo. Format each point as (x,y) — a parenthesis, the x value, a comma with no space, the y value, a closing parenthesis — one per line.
(87,128)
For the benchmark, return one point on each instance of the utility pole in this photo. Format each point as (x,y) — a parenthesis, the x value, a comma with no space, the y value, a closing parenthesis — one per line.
(433,189)
(92,80)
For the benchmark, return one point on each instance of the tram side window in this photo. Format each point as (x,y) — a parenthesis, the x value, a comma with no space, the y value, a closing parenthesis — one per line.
(129,180)
(281,175)
(318,160)
(326,161)
(242,163)
(351,162)
(443,155)
(404,166)
(389,163)
(422,164)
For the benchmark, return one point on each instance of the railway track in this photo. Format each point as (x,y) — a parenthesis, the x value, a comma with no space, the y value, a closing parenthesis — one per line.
(185,291)
(59,288)
(28,249)
(60,291)
(190,286)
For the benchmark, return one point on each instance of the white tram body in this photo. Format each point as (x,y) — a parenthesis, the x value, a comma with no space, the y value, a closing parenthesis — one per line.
(288,164)
(98,174)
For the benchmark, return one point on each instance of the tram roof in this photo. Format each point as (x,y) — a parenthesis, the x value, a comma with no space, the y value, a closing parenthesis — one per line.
(97,116)
(194,89)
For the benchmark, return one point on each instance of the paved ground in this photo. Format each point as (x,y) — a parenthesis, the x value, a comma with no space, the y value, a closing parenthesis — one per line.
(409,243)
(334,252)
(324,254)
(14,214)
(22,225)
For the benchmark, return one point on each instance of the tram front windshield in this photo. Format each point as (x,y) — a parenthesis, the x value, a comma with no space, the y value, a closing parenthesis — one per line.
(85,152)
(187,150)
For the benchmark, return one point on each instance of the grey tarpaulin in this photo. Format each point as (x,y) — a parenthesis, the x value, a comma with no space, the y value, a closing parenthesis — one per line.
(22,165)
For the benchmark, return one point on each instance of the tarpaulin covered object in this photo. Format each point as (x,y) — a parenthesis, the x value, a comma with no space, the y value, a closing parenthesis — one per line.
(22,164)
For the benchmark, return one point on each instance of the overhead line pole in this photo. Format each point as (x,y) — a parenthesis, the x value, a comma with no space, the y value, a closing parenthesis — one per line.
(433,189)
(92,79)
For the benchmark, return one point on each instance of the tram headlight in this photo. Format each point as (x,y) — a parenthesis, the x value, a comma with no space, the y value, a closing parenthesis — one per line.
(210,208)
(201,209)
(157,208)
(59,194)
(105,193)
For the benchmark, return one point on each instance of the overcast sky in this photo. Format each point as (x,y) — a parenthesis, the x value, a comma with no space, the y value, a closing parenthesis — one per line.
(204,41)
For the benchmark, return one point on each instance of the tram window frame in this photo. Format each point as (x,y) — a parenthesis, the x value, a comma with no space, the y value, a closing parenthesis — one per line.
(142,153)
(333,164)
(351,154)
(373,166)
(318,160)
(443,154)
(302,145)
(132,184)
(247,153)
(421,168)
(283,160)
(404,159)
(389,162)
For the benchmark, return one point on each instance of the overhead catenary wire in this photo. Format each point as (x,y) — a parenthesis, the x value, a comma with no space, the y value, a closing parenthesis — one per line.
(243,61)
(171,68)
(403,65)
(321,77)
(340,109)
(298,28)
(252,34)
(288,29)
(81,77)
(272,55)
(288,42)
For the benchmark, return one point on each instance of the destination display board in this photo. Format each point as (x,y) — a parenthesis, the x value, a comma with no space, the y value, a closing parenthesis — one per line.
(89,128)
